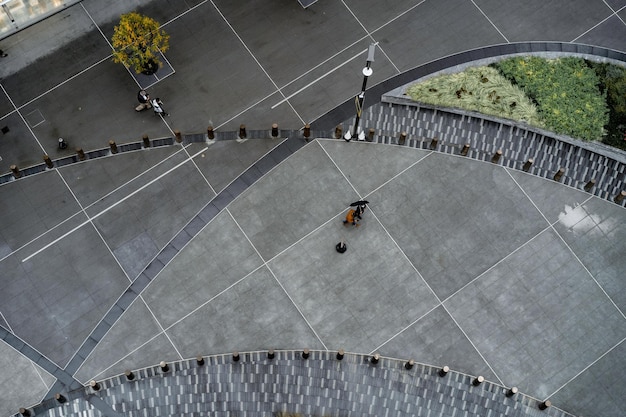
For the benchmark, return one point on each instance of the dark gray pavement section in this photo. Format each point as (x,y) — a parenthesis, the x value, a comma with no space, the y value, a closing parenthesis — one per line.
(78,302)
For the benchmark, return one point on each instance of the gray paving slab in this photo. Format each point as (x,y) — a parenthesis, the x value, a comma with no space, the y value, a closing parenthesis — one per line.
(254,313)
(137,228)
(98,105)
(63,63)
(595,234)
(92,181)
(355,287)
(226,160)
(605,35)
(551,198)
(310,37)
(601,373)
(553,21)
(437,340)
(35,206)
(186,283)
(335,79)
(424,209)
(221,67)
(148,354)
(370,166)
(135,328)
(27,382)
(472,30)
(59,295)
(545,335)
(266,112)
(28,45)
(18,146)
(272,224)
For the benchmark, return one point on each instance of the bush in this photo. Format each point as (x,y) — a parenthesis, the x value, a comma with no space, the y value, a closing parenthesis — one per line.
(480,89)
(137,41)
(566,91)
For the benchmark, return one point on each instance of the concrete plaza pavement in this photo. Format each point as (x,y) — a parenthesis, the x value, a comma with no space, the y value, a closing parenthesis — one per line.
(458,262)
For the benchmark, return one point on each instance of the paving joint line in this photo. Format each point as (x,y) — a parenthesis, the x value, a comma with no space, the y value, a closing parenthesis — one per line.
(109,326)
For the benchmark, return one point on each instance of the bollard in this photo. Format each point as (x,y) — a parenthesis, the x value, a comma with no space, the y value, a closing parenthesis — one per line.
(341,247)
(16,171)
(559,174)
(340,354)
(402,138)
(370,134)
(433,143)
(305,354)
(270,354)
(409,364)
(275,130)
(62,144)
(113,146)
(338,132)
(80,153)
(307,131)
(590,184)
(199,360)
(48,161)
(528,164)
(178,136)
(496,156)
(465,149)
(478,380)
(60,398)
(242,131)
(374,359)
(164,366)
(511,392)
(209,132)
(235,356)
(129,375)
(25,412)
(545,404)
(444,371)
(620,197)
(94,385)
(146,141)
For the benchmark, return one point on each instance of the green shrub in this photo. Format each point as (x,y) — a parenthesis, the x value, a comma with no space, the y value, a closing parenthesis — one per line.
(566,91)
(480,89)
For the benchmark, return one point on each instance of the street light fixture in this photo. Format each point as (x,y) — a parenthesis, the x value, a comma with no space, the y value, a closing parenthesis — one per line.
(359,99)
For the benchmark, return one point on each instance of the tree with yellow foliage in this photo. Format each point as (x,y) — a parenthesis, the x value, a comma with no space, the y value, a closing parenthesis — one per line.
(137,40)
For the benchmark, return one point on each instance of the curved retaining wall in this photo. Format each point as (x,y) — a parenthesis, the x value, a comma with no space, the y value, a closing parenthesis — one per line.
(321,385)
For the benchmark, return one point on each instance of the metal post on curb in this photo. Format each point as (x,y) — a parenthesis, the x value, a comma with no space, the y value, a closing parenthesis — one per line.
(358,100)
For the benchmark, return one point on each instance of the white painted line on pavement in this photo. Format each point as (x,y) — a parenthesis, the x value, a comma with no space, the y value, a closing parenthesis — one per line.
(114,204)
(318,78)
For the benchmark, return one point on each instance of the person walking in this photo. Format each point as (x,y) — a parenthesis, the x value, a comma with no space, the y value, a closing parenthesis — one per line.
(157,106)
(144,100)
(352,218)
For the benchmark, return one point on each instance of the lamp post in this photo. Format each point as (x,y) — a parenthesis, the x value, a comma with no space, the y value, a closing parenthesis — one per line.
(358,100)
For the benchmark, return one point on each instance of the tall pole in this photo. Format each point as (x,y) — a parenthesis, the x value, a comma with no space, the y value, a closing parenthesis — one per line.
(358,100)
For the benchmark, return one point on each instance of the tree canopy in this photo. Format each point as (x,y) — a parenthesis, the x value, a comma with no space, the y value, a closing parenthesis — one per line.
(137,41)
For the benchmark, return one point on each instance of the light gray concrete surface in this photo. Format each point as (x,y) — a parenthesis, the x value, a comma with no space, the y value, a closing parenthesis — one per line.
(457,262)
